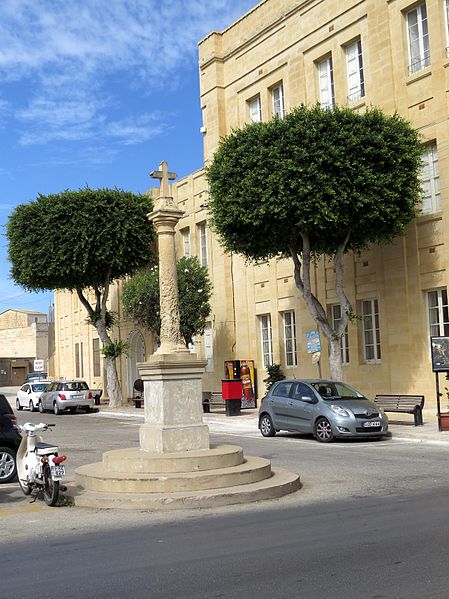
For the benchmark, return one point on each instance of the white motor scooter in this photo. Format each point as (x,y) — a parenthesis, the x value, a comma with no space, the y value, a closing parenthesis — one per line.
(39,467)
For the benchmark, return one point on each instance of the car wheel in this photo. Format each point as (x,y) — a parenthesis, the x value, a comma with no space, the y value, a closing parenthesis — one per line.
(31,406)
(266,426)
(323,431)
(18,406)
(56,409)
(7,465)
(40,407)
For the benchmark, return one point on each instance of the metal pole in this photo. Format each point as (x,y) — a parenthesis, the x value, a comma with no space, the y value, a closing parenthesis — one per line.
(437,386)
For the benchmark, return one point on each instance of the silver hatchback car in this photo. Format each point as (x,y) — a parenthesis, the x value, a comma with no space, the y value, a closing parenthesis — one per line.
(66,395)
(327,409)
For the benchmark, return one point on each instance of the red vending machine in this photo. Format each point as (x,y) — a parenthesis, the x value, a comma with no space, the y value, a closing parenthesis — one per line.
(244,370)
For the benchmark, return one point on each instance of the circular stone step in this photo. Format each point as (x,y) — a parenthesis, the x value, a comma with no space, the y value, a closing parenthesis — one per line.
(96,477)
(133,460)
(279,484)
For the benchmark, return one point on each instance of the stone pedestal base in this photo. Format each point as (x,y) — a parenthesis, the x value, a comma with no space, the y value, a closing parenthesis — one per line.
(173,404)
(158,438)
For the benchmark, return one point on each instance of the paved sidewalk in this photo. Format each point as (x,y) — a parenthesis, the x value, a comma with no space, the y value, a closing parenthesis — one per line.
(247,423)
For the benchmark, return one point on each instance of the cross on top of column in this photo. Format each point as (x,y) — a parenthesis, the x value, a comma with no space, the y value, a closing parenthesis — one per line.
(165,176)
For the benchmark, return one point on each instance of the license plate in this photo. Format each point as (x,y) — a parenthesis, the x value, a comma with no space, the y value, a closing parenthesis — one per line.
(374,423)
(58,471)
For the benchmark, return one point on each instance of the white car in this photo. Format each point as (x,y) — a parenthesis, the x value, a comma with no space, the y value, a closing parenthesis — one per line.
(28,395)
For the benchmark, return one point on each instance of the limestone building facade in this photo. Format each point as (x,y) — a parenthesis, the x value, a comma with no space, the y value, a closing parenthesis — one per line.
(25,336)
(392,54)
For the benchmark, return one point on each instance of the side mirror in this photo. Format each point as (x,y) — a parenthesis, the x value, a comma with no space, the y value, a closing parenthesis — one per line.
(308,399)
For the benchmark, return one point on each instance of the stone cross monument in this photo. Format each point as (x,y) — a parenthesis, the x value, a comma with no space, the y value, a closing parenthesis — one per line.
(172,376)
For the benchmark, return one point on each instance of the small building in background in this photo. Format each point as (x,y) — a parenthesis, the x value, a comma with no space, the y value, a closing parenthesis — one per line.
(25,336)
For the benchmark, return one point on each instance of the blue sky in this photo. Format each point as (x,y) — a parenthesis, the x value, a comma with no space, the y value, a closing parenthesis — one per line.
(97,92)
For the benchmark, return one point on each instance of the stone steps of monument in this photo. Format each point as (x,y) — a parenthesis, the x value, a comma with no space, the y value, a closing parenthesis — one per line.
(96,477)
(280,483)
(135,460)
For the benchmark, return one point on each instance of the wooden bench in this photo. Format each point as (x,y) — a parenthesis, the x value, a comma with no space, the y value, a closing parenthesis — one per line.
(405,404)
(212,400)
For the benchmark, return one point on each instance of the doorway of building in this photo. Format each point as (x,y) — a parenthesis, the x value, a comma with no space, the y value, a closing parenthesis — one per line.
(18,375)
(136,353)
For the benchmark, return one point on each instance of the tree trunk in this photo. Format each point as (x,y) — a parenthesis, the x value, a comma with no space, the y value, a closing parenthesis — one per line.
(335,368)
(113,385)
(317,311)
(112,382)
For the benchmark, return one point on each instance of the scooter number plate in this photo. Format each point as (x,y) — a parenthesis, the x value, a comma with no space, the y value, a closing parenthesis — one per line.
(58,471)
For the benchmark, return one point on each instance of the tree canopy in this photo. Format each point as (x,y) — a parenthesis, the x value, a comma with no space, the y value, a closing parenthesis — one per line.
(318,182)
(83,240)
(141,298)
(79,239)
(329,174)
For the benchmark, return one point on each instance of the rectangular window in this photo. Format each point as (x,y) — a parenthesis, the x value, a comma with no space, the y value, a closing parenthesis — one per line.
(446,16)
(371,331)
(267,341)
(438,313)
(255,112)
(430,180)
(208,348)
(356,82)
(186,242)
(203,244)
(326,83)
(96,357)
(277,96)
(291,358)
(344,341)
(79,366)
(418,39)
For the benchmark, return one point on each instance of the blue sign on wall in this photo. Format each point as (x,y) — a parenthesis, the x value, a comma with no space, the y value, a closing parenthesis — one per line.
(313,341)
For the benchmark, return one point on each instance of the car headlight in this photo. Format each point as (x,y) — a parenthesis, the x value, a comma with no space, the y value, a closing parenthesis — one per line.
(339,410)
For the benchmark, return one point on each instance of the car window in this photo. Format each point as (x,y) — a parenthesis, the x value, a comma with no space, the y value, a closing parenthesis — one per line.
(300,390)
(329,390)
(25,388)
(282,390)
(75,386)
(37,387)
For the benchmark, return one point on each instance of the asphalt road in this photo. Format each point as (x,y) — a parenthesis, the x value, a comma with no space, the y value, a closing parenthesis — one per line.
(371,521)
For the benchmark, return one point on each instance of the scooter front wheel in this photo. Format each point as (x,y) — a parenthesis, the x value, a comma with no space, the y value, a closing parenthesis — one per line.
(51,487)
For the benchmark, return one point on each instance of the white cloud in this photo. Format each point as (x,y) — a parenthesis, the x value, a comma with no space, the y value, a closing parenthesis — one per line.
(66,53)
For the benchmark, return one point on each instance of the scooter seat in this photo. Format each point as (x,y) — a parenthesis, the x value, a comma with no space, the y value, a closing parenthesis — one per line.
(45,448)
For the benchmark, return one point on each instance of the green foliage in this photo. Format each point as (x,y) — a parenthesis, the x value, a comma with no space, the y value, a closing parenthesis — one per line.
(141,298)
(114,349)
(111,319)
(79,239)
(324,173)
(275,374)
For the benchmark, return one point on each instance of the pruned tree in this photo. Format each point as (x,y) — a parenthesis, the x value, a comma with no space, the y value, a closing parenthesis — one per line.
(141,298)
(82,241)
(316,183)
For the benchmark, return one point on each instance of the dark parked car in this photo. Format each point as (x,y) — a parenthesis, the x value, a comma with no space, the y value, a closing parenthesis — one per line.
(35,376)
(327,409)
(9,441)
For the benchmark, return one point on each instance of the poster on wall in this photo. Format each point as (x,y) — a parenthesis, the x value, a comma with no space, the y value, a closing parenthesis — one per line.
(244,370)
(439,347)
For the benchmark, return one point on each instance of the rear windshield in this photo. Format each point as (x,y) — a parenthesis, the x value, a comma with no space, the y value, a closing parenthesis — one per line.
(39,386)
(75,386)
